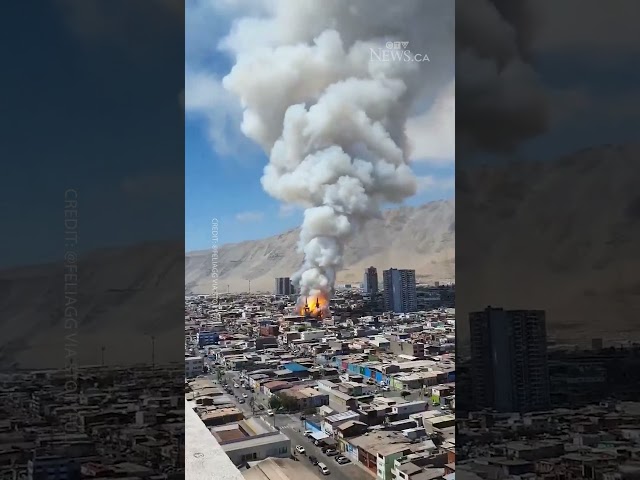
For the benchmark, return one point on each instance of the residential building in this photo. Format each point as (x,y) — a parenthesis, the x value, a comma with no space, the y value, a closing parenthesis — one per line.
(400,290)
(341,402)
(208,338)
(509,370)
(284,286)
(333,421)
(219,416)
(52,467)
(251,440)
(193,366)
(414,349)
(266,342)
(308,397)
(378,451)
(275,469)
(403,410)
(370,284)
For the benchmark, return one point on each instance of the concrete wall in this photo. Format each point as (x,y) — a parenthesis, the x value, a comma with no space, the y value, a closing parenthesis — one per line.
(203,454)
(246,450)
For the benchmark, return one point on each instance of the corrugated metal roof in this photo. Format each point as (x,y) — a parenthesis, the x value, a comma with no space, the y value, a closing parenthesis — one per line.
(295,367)
(342,416)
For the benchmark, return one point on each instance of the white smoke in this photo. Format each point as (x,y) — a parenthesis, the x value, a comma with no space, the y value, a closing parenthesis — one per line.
(330,116)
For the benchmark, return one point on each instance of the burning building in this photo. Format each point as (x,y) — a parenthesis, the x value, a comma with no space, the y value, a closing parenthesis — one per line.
(316,306)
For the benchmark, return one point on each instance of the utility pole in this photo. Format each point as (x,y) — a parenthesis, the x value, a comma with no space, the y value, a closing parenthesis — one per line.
(153,350)
(249,286)
(102,349)
(227,288)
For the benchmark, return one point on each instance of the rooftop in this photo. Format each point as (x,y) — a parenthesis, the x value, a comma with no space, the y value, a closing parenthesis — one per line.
(256,441)
(279,468)
(382,442)
(344,416)
(203,454)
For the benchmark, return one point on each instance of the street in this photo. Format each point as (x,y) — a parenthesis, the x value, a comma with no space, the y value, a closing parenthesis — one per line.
(292,427)
(278,420)
(349,471)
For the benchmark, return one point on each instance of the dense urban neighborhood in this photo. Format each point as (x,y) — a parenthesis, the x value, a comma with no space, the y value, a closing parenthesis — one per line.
(95,421)
(361,392)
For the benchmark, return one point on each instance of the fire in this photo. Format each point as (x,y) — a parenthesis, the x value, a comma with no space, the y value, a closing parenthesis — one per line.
(315,306)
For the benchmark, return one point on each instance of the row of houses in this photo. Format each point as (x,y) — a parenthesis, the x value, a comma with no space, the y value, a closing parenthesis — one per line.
(390,453)
(396,375)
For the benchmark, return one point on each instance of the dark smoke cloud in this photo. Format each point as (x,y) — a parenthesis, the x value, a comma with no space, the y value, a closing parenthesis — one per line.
(500,101)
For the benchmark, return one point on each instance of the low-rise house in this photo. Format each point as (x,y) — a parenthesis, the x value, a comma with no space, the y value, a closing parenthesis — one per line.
(330,423)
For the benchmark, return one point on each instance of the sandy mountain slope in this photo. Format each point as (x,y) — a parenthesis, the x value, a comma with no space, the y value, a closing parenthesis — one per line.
(115,289)
(421,238)
(561,235)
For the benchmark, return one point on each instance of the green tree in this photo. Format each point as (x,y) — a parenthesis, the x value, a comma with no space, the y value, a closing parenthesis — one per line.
(302,329)
(275,403)
(405,394)
(289,403)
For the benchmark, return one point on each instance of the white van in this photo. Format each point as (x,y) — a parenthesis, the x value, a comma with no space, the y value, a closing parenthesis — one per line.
(323,468)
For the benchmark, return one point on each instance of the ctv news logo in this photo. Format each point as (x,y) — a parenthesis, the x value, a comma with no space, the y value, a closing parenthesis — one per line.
(397,52)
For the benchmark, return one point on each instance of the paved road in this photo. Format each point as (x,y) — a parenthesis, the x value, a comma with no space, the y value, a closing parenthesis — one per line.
(338,472)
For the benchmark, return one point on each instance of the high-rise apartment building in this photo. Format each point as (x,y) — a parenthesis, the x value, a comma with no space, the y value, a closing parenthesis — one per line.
(284,286)
(52,467)
(509,370)
(370,284)
(399,290)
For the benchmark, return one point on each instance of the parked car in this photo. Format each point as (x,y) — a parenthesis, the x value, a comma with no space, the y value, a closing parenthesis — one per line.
(330,452)
(241,400)
(342,460)
(244,395)
(270,412)
(323,468)
(235,385)
(313,460)
(260,407)
(308,433)
(300,449)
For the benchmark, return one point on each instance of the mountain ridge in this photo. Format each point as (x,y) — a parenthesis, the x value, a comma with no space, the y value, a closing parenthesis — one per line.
(420,237)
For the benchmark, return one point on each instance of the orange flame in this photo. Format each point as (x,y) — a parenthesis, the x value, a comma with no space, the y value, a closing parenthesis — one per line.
(317,305)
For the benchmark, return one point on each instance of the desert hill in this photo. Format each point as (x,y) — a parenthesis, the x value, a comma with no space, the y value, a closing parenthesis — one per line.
(421,238)
(125,295)
(558,235)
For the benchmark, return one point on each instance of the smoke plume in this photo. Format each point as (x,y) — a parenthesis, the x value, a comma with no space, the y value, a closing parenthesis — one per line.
(329,115)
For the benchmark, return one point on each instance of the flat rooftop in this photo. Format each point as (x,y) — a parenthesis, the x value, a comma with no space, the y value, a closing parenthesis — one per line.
(281,468)
(256,441)
(203,454)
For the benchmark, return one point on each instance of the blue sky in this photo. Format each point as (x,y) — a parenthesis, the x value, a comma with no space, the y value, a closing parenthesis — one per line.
(82,112)
(223,181)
